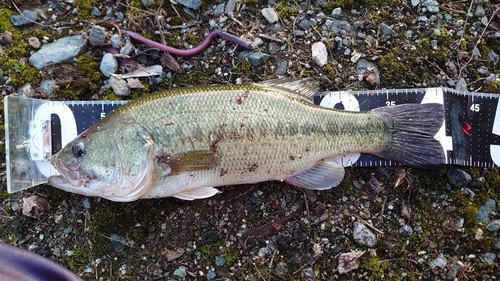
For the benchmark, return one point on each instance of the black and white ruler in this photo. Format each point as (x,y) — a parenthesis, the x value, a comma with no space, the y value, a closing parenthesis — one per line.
(36,129)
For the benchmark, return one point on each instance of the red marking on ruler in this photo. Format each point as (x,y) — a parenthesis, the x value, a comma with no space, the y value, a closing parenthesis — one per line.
(467,128)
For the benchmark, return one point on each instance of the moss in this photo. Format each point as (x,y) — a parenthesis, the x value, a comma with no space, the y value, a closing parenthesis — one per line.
(378,270)
(286,9)
(493,87)
(393,69)
(84,7)
(89,67)
(194,38)
(79,259)
(332,4)
(330,71)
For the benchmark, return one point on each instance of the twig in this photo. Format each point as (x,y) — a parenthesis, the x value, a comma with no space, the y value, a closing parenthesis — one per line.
(399,259)
(196,50)
(21,13)
(370,225)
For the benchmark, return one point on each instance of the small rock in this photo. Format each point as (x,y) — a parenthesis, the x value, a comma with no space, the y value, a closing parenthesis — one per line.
(305,24)
(363,236)
(458,177)
(47,86)
(485,210)
(273,48)
(406,230)
(181,272)
(255,58)
(219,9)
(479,234)
(229,9)
(368,71)
(86,203)
(109,65)
(57,251)
(146,3)
(270,15)
(117,242)
(282,68)
(115,41)
(387,31)
(34,42)
(432,6)
(319,53)
(281,269)
(493,57)
(440,262)
(26,91)
(120,86)
(483,70)
(5,38)
(98,36)
(468,192)
(61,50)
(127,48)
(489,258)
(496,243)
(211,274)
(171,255)
(26,17)
(451,67)
(415,3)
(95,12)
(220,260)
(191,4)
(479,12)
(423,19)
(336,12)
(493,226)
(455,267)
(336,26)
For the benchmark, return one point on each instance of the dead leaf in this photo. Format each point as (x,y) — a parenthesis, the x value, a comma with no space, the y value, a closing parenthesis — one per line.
(373,187)
(34,206)
(172,255)
(135,83)
(349,261)
(142,72)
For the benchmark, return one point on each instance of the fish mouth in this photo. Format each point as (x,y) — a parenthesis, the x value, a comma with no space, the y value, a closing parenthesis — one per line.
(69,178)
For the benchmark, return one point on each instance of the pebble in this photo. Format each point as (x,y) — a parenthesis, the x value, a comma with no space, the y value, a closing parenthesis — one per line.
(406,230)
(319,53)
(109,65)
(468,192)
(47,86)
(493,226)
(191,4)
(26,17)
(229,9)
(115,41)
(57,251)
(34,42)
(489,258)
(373,77)
(282,68)
(97,36)
(61,50)
(336,12)
(95,12)
(455,267)
(86,203)
(432,6)
(496,243)
(485,210)
(219,9)
(273,48)
(211,274)
(479,12)
(336,26)
(440,262)
(415,3)
(255,58)
(127,48)
(117,242)
(483,70)
(26,91)
(493,57)
(305,24)
(220,260)
(270,15)
(181,272)
(146,3)
(458,177)
(387,30)
(120,86)
(5,38)
(363,236)
(281,269)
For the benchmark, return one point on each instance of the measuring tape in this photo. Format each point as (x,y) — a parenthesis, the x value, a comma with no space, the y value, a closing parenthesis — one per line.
(36,129)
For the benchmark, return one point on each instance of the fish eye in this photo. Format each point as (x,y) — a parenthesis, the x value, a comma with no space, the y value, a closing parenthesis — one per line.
(78,149)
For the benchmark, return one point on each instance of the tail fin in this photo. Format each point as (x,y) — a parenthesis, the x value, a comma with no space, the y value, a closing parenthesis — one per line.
(413,127)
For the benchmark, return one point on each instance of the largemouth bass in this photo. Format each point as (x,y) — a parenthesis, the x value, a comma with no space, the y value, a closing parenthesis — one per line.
(184,142)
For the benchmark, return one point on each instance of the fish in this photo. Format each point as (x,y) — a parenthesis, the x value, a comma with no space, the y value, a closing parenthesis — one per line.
(185,142)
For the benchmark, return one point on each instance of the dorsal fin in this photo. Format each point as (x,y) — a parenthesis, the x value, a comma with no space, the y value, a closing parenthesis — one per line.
(304,88)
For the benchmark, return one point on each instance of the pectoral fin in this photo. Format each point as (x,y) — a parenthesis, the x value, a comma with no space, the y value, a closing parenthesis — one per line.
(190,161)
(196,193)
(324,175)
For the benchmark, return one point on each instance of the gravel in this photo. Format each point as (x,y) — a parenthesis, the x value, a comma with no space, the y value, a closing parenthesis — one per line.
(436,224)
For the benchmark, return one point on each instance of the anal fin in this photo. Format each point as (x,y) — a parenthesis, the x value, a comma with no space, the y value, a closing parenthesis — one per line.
(196,193)
(324,175)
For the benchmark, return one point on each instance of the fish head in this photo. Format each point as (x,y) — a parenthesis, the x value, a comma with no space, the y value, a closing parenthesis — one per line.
(112,161)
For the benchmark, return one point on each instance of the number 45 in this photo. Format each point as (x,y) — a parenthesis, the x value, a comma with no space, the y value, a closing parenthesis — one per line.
(474,107)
